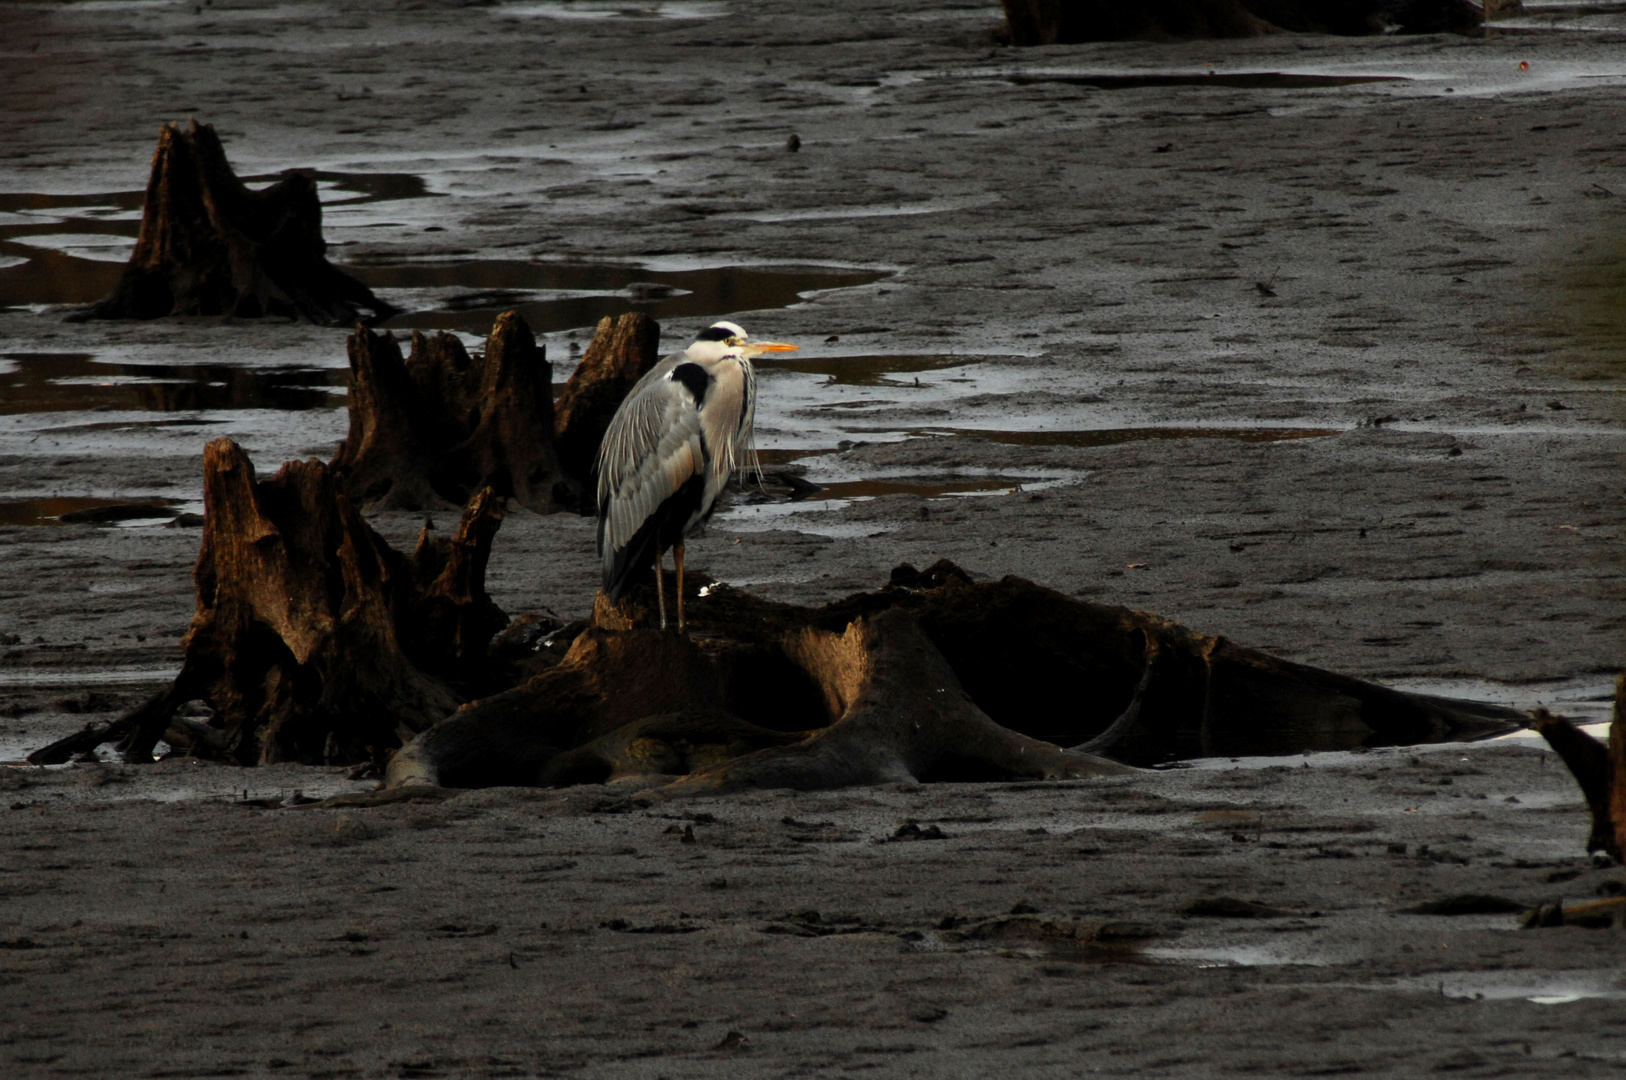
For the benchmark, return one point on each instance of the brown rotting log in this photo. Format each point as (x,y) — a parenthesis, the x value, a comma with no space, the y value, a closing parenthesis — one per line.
(210,246)
(313,640)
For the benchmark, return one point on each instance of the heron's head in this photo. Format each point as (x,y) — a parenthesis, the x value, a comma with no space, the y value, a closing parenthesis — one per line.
(724,338)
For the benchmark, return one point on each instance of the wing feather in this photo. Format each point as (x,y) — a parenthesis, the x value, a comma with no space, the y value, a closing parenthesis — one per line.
(653,445)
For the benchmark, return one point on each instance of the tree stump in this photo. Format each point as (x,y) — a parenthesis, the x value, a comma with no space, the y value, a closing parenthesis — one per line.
(1599,769)
(622,352)
(932,677)
(314,641)
(428,431)
(210,246)
(1062,22)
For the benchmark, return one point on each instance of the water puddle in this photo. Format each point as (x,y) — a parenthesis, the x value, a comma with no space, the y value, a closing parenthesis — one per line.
(1223,956)
(924,488)
(468,296)
(69,382)
(869,370)
(1241,80)
(69,249)
(74,510)
(614,9)
(1549,988)
(1088,437)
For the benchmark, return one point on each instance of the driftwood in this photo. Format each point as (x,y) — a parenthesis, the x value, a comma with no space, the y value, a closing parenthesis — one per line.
(1599,769)
(1061,22)
(429,430)
(930,678)
(314,641)
(210,246)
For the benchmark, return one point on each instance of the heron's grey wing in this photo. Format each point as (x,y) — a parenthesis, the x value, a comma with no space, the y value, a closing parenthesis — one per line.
(654,444)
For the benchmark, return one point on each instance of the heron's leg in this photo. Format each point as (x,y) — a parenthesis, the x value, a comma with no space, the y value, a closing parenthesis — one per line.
(677,557)
(660,589)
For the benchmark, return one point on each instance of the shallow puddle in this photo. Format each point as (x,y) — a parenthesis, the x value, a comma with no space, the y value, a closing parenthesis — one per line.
(468,296)
(1242,80)
(70,250)
(1542,988)
(614,9)
(874,370)
(69,382)
(87,511)
(1113,436)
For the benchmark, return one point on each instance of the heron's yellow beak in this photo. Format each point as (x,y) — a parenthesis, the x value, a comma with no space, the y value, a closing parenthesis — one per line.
(756,348)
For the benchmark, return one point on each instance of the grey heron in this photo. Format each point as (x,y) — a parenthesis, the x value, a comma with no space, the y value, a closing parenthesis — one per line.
(674,440)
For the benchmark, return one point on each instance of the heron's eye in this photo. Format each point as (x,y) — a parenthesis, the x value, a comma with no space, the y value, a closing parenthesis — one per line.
(734,342)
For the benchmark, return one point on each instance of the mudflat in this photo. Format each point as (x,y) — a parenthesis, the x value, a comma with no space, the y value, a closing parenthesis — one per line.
(1328,365)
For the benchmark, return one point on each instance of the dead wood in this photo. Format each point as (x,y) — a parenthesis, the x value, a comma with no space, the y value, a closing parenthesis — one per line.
(621,352)
(933,677)
(313,640)
(210,246)
(430,430)
(1057,22)
(1599,769)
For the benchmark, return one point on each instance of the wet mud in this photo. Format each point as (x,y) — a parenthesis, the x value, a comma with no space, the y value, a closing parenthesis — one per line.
(1330,367)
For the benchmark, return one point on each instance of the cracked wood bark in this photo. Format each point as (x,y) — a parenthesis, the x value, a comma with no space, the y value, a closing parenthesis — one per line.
(313,640)
(1056,22)
(1599,769)
(210,246)
(622,352)
(428,431)
(932,677)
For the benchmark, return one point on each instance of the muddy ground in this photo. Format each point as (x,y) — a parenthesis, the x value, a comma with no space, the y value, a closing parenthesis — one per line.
(1334,370)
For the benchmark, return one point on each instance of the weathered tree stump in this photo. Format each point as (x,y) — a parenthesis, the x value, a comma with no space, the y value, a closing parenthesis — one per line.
(622,352)
(314,641)
(210,246)
(930,678)
(430,430)
(1600,771)
(1061,22)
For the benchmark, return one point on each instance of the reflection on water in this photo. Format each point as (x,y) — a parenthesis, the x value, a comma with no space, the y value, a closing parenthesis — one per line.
(469,295)
(866,370)
(67,382)
(85,511)
(1243,80)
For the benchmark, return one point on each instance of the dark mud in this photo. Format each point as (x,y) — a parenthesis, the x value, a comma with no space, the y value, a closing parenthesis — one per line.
(1332,370)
